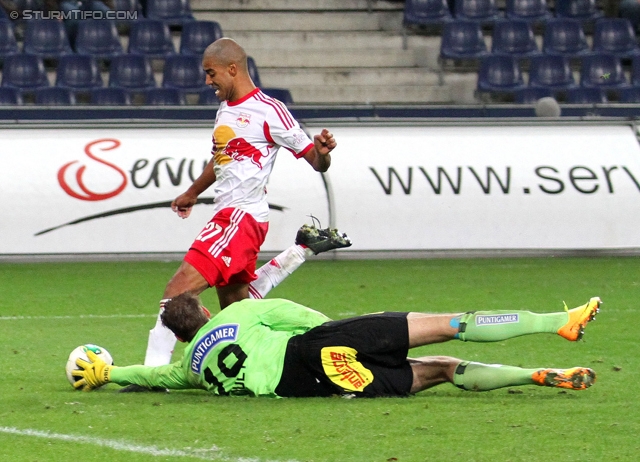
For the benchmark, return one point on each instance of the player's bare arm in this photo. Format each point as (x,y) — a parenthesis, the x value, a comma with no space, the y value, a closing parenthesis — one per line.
(320,156)
(183,204)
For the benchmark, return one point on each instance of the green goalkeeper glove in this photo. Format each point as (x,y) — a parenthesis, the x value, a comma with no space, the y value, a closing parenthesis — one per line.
(92,374)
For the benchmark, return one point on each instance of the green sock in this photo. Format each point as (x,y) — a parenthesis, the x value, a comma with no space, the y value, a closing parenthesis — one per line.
(482,377)
(493,326)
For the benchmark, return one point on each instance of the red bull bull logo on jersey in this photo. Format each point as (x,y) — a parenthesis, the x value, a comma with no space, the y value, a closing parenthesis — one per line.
(240,149)
(243,120)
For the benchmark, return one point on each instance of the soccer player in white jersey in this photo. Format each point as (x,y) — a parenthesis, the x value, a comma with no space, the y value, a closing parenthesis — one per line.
(249,130)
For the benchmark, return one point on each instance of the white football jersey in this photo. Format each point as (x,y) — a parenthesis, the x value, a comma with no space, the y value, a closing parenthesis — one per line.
(246,138)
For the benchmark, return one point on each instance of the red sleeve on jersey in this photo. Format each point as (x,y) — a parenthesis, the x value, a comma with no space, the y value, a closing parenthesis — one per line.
(303,152)
(267,133)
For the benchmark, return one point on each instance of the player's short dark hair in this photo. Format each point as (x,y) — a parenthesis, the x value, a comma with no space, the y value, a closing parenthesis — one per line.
(184,316)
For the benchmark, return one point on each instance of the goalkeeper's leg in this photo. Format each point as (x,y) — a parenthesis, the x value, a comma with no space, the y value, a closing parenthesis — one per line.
(493,326)
(430,371)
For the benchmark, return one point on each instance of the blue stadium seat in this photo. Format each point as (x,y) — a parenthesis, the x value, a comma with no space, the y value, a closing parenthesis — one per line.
(565,37)
(426,12)
(477,10)
(514,37)
(207,97)
(529,10)
(198,35)
(130,7)
(531,95)
(55,96)
(602,71)
(635,71)
(578,9)
(10,96)
(24,71)
(172,12)
(462,40)
(8,43)
(151,38)
(110,97)
(615,36)
(586,96)
(184,73)
(46,38)
(552,72)
(164,97)
(630,95)
(99,39)
(500,73)
(253,71)
(78,72)
(281,94)
(132,72)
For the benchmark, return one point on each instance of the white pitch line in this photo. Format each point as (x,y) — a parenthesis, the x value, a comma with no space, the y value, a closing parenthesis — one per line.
(214,453)
(116,445)
(79,316)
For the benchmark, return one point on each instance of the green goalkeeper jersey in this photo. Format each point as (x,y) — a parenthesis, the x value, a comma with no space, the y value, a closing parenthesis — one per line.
(239,351)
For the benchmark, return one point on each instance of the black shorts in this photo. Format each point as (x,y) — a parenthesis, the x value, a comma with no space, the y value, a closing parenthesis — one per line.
(365,356)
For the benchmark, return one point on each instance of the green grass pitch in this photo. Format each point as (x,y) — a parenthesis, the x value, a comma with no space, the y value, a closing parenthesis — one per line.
(46,310)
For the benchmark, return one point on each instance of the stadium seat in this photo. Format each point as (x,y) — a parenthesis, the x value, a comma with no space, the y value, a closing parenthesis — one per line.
(578,9)
(99,39)
(8,43)
(500,73)
(615,36)
(552,72)
(586,96)
(602,71)
(198,35)
(110,97)
(531,95)
(281,94)
(462,40)
(253,71)
(55,96)
(626,95)
(130,7)
(164,97)
(24,71)
(564,37)
(172,12)
(184,73)
(10,96)
(528,10)
(514,37)
(151,38)
(426,12)
(132,72)
(207,97)
(47,39)
(477,10)
(78,72)
(635,71)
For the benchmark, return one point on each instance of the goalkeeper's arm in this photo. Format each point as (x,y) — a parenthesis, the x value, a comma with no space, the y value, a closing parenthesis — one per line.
(96,373)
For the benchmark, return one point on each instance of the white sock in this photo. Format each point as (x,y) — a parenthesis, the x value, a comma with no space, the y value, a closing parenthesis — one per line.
(161,343)
(277,269)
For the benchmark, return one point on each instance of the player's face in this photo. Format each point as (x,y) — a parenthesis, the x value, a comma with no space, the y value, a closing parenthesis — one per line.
(219,78)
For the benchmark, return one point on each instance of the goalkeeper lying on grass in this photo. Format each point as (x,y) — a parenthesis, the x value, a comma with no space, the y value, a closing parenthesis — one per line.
(279,348)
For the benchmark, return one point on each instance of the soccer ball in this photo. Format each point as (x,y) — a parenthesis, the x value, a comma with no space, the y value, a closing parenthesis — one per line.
(81,352)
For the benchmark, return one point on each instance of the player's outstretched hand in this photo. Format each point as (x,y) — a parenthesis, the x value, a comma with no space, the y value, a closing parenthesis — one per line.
(324,142)
(183,204)
(92,374)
